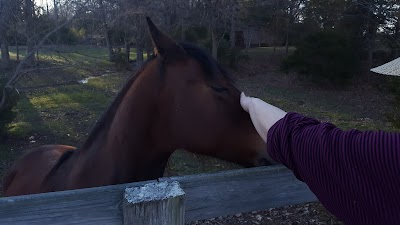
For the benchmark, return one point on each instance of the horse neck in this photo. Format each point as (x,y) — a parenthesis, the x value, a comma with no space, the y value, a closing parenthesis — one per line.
(126,151)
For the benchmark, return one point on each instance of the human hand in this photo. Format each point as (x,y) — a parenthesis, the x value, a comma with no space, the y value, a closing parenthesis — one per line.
(262,114)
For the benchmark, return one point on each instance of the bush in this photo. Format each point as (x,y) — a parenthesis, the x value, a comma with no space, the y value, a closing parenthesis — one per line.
(391,84)
(323,57)
(6,117)
(195,34)
(65,35)
(223,49)
(120,59)
(393,116)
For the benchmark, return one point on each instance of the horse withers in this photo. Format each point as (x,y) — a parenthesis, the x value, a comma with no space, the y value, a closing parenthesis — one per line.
(180,99)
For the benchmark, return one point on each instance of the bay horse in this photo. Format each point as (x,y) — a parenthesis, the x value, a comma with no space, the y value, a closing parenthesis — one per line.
(181,98)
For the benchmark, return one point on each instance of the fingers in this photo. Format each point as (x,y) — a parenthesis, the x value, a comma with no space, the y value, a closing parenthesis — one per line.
(244,102)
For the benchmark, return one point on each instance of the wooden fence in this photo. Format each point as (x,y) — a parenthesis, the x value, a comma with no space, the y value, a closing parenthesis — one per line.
(206,196)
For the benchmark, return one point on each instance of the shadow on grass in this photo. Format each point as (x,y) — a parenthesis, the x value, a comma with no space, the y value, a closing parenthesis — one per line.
(25,132)
(71,111)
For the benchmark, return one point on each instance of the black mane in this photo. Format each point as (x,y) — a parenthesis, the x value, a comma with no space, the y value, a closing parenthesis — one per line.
(211,67)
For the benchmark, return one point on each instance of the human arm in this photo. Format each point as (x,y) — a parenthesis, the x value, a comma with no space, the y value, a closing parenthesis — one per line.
(262,114)
(354,174)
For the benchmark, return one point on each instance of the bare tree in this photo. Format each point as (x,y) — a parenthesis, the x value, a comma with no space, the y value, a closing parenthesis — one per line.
(7,9)
(234,8)
(293,10)
(22,69)
(29,31)
(107,31)
(217,18)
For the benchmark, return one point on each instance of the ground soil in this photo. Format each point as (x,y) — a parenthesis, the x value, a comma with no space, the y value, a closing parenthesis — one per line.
(305,214)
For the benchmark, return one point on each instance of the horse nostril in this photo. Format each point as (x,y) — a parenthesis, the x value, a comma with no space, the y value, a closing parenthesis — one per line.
(263,162)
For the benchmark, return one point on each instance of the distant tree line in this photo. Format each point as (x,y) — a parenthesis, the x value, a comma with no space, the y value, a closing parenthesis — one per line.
(119,25)
(116,23)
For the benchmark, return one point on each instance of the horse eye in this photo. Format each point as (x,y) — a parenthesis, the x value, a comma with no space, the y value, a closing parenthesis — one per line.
(219,89)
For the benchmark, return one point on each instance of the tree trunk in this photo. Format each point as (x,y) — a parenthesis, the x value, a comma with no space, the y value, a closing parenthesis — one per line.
(37,57)
(127,50)
(109,45)
(287,36)
(17,46)
(56,16)
(183,36)
(149,51)
(139,54)
(371,46)
(274,36)
(214,43)
(5,8)
(250,36)
(397,37)
(107,31)
(16,42)
(232,36)
(214,39)
(371,37)
(5,54)
(233,26)
(55,5)
(30,33)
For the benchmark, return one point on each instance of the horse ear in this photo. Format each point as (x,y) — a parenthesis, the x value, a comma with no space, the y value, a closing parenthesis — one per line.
(163,44)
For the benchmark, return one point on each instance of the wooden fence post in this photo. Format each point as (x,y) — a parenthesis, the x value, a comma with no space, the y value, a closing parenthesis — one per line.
(158,203)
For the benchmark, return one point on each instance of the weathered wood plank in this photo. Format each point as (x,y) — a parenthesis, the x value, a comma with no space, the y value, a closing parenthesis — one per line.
(243,190)
(100,205)
(207,195)
(158,203)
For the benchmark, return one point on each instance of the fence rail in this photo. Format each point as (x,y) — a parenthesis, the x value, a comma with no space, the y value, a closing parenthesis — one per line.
(207,196)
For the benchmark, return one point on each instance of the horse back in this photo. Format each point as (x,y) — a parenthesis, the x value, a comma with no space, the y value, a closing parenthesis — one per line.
(27,174)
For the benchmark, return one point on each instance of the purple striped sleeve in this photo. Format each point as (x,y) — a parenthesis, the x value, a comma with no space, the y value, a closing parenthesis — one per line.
(354,174)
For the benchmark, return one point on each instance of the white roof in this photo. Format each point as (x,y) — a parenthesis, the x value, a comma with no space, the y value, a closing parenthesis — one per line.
(391,68)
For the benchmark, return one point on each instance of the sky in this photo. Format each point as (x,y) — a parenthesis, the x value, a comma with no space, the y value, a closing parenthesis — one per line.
(43,2)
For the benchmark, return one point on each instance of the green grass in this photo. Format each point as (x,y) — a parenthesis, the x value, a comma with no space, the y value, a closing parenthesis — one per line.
(183,163)
(65,110)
